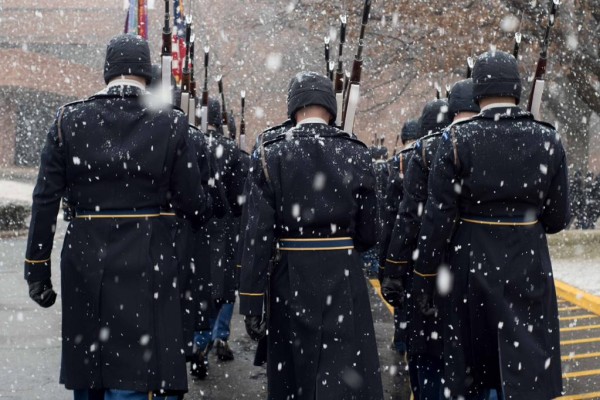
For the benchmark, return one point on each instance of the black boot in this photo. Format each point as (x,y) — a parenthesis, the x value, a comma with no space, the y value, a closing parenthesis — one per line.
(199,366)
(224,352)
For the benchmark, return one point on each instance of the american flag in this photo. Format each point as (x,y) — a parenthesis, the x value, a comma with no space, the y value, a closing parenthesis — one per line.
(137,18)
(178,40)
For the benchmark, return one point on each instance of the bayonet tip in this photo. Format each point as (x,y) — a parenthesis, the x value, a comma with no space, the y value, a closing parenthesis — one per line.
(518,37)
(343,18)
(326,39)
(206,49)
(243,93)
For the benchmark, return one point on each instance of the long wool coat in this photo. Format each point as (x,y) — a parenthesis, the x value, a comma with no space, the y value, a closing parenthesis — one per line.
(121,317)
(317,182)
(498,185)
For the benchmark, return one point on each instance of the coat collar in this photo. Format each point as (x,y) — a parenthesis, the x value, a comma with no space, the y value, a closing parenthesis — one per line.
(512,112)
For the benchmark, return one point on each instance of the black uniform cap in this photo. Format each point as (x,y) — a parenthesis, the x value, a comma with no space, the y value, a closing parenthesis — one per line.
(461,98)
(410,130)
(496,74)
(434,117)
(310,89)
(127,54)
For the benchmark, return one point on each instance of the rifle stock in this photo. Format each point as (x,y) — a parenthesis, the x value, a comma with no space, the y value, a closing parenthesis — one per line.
(353,96)
(224,116)
(339,74)
(192,98)
(185,74)
(166,55)
(242,144)
(204,109)
(537,89)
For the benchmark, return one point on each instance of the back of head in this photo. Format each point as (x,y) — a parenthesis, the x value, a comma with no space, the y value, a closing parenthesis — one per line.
(434,117)
(461,98)
(215,115)
(496,74)
(127,54)
(311,89)
(410,131)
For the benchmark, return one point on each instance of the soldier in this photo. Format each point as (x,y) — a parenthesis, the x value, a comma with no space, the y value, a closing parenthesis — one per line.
(379,158)
(311,210)
(220,241)
(498,186)
(119,163)
(425,351)
(393,196)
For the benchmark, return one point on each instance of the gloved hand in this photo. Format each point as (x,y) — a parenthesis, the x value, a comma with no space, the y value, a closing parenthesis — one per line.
(423,289)
(256,326)
(42,293)
(392,290)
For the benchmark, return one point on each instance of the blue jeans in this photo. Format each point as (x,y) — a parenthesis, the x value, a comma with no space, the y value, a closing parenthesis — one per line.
(114,394)
(221,325)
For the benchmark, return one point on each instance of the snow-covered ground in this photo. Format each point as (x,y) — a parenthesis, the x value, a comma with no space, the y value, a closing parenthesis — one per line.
(15,191)
(583,274)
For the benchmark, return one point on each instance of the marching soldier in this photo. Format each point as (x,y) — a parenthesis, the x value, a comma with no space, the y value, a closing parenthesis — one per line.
(220,241)
(423,355)
(498,186)
(393,196)
(311,209)
(119,162)
(397,166)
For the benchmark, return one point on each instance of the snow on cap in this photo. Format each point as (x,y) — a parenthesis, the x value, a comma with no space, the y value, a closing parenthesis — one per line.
(310,89)
(461,98)
(496,74)
(127,54)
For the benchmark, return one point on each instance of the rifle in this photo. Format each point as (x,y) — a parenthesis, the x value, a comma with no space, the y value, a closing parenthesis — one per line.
(438,91)
(518,37)
(224,117)
(192,105)
(204,109)
(339,74)
(185,74)
(448,91)
(396,144)
(326,41)
(243,123)
(470,65)
(331,69)
(166,54)
(354,91)
(535,98)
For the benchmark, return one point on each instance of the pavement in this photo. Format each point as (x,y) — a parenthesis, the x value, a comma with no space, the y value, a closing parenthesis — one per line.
(30,343)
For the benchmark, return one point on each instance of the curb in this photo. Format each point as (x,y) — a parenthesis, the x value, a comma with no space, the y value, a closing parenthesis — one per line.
(578,297)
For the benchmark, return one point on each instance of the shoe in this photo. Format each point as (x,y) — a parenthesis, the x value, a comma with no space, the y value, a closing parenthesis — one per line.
(224,352)
(199,367)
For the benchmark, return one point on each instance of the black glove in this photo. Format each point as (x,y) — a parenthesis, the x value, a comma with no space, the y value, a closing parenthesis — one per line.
(425,304)
(423,289)
(42,293)
(392,290)
(256,326)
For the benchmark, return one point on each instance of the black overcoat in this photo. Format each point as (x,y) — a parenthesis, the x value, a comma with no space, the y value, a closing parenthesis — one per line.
(498,185)
(222,233)
(424,332)
(317,182)
(121,317)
